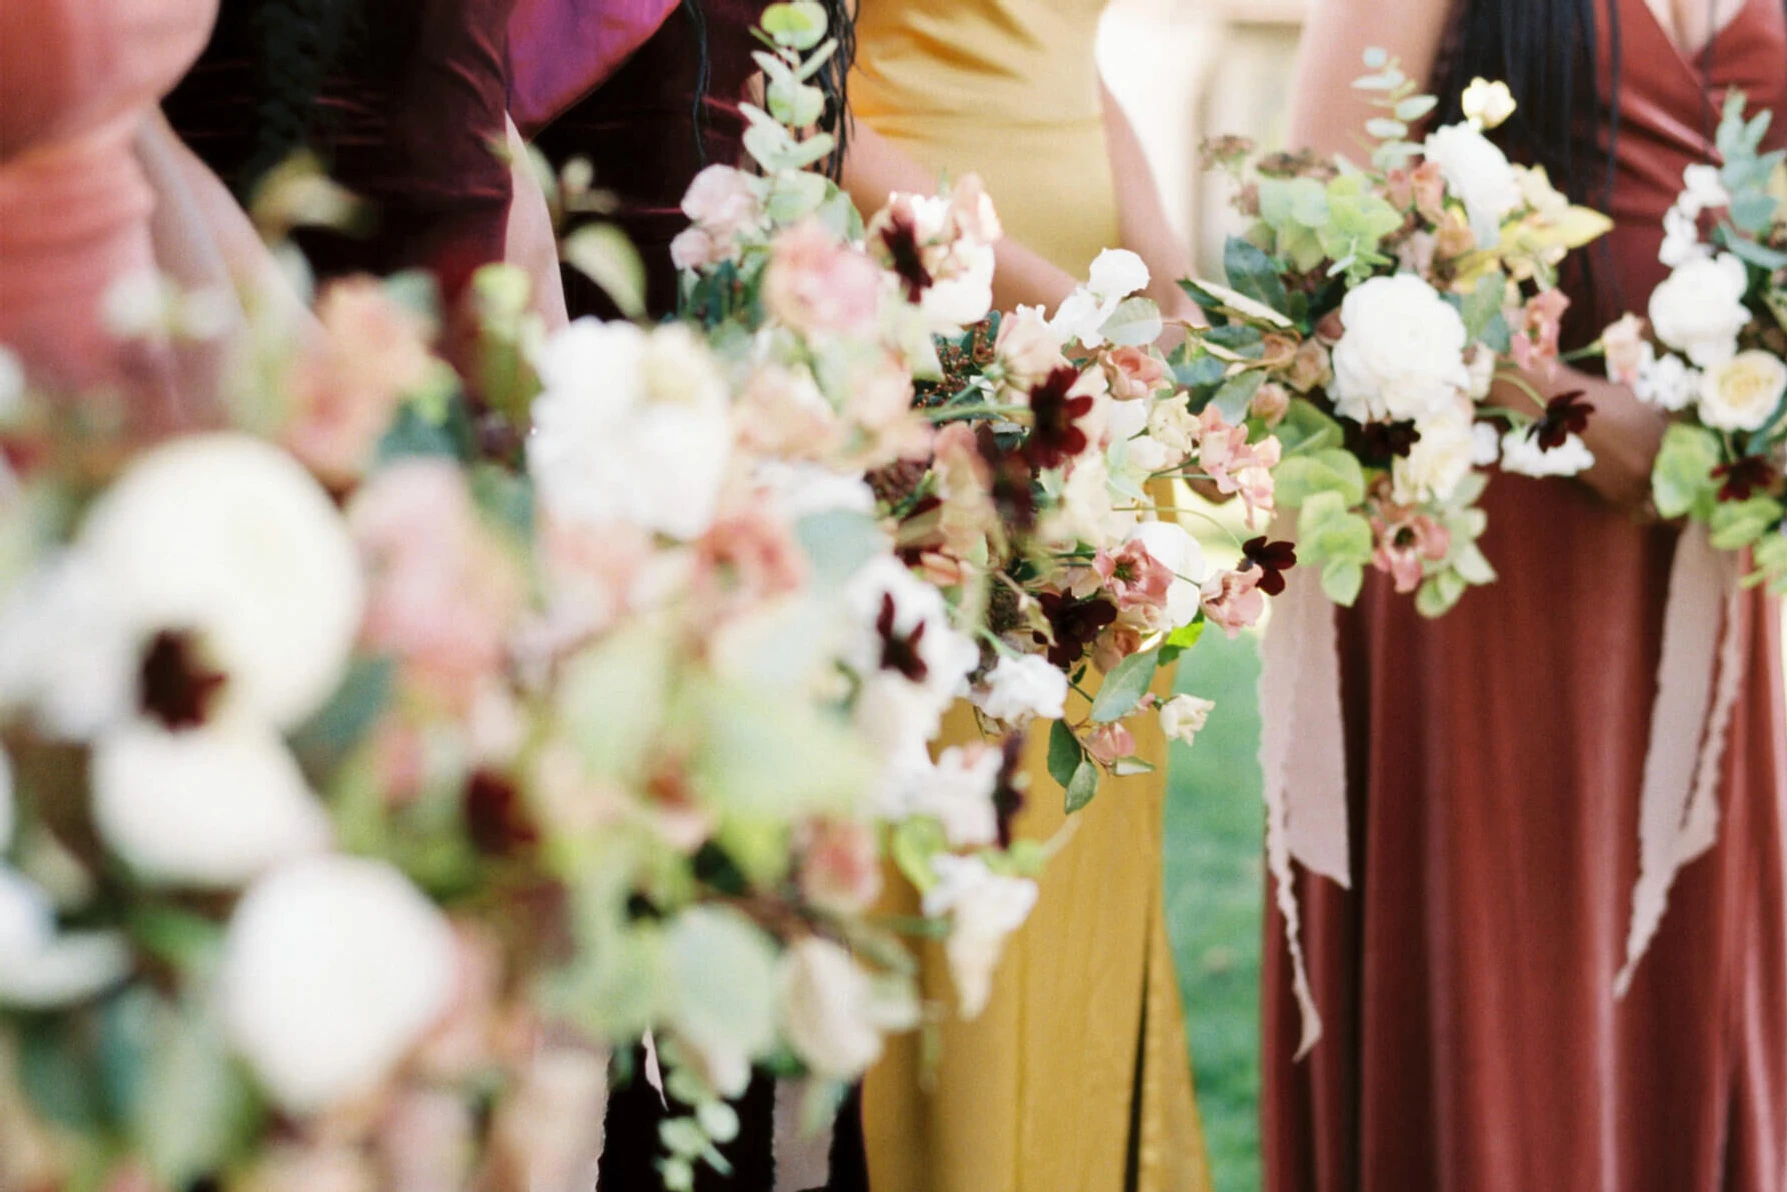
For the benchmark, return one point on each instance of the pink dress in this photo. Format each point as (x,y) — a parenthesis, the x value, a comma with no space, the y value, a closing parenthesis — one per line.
(1474,1042)
(76,78)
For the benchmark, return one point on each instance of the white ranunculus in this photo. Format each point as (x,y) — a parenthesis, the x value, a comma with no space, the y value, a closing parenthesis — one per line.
(1478,173)
(1439,461)
(1021,688)
(832,1013)
(958,792)
(1699,308)
(1117,273)
(1173,547)
(1744,392)
(333,969)
(1667,380)
(985,908)
(631,426)
(40,969)
(1402,354)
(211,807)
(1522,454)
(226,536)
(1183,717)
(66,650)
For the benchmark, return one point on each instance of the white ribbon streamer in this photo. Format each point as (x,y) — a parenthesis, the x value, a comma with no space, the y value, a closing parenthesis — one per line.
(1678,815)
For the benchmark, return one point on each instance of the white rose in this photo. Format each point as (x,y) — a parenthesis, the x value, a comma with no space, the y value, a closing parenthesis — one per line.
(1021,688)
(1479,174)
(1744,392)
(984,909)
(832,1013)
(228,537)
(1665,380)
(211,807)
(630,427)
(1183,717)
(66,650)
(1174,548)
(40,969)
(333,969)
(1439,461)
(1699,308)
(1522,454)
(1117,273)
(1402,354)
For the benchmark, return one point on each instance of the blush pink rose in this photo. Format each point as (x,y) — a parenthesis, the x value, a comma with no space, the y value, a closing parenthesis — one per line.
(817,284)
(1134,373)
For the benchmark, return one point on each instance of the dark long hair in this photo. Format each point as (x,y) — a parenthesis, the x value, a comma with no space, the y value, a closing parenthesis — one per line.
(1546,51)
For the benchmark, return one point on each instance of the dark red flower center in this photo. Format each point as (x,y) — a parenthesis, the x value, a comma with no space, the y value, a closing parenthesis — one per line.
(900,652)
(900,238)
(496,817)
(175,685)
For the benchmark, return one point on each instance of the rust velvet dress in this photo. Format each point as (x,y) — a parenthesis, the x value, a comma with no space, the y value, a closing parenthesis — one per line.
(1474,1043)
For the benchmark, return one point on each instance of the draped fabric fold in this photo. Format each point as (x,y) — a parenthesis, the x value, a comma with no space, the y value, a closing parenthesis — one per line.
(561,50)
(1679,810)
(1303,747)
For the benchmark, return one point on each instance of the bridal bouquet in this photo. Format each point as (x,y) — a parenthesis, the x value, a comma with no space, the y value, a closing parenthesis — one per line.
(1718,332)
(1367,314)
(372,765)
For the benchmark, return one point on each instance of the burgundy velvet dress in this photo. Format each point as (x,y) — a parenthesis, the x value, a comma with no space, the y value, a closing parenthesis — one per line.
(411,118)
(650,127)
(1474,1043)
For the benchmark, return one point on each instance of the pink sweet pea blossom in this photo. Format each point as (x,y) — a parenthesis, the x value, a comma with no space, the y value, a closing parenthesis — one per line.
(1134,577)
(1535,340)
(1134,373)
(1405,541)
(1233,600)
(1110,743)
(1623,346)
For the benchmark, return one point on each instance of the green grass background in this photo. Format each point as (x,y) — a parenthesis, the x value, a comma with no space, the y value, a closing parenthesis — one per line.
(1214,872)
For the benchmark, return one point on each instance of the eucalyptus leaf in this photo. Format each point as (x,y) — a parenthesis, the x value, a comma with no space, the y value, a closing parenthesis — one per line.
(1124,687)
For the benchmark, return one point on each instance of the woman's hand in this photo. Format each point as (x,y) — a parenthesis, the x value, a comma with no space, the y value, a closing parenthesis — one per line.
(1623,432)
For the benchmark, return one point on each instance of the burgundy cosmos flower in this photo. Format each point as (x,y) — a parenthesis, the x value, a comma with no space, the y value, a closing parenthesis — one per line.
(899,238)
(1743,477)
(900,652)
(1008,796)
(1565,415)
(175,686)
(1380,442)
(496,817)
(1056,437)
(1075,624)
(1272,558)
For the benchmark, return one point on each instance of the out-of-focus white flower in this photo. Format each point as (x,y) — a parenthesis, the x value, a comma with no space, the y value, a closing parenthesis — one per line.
(66,651)
(40,969)
(1117,273)
(1625,349)
(799,490)
(1487,104)
(1522,454)
(985,908)
(1481,366)
(1667,380)
(211,807)
(1183,717)
(1439,461)
(1022,687)
(1703,189)
(226,537)
(1402,354)
(1029,348)
(957,790)
(912,662)
(1477,172)
(1486,444)
(12,386)
(630,427)
(333,969)
(8,811)
(832,1013)
(1744,392)
(1175,549)
(1699,308)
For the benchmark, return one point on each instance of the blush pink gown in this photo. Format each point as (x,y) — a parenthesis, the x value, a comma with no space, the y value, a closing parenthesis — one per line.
(1474,1043)
(76,79)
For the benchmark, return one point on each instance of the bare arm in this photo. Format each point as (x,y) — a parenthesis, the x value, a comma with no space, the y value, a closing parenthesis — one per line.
(1328,114)
(530,244)
(1141,219)
(875,168)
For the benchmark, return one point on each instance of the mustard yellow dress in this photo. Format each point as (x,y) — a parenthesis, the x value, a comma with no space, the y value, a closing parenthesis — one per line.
(1082,1048)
